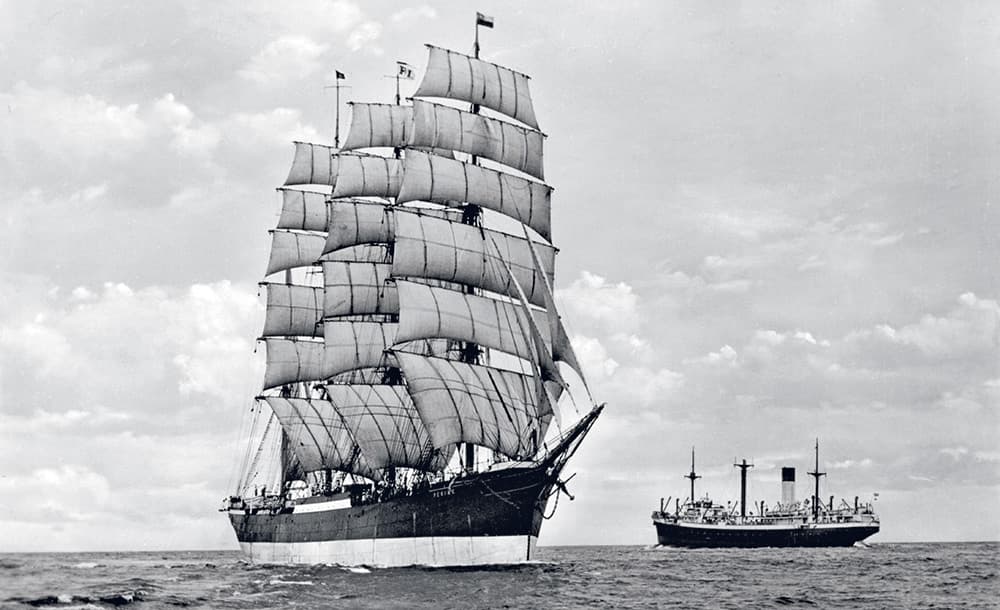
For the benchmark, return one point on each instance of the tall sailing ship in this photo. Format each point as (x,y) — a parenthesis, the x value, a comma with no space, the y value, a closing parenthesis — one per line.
(411,398)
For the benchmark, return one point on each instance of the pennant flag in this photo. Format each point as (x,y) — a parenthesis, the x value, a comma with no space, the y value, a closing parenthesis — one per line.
(340,75)
(483,20)
(405,70)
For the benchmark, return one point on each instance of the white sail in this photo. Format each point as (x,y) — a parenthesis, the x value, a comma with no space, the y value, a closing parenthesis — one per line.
(293,360)
(303,210)
(460,77)
(358,288)
(347,345)
(354,345)
(361,175)
(313,164)
(355,222)
(378,125)
(387,426)
(562,348)
(293,310)
(546,371)
(319,436)
(454,252)
(443,127)
(290,250)
(450,182)
(428,311)
(369,222)
(471,403)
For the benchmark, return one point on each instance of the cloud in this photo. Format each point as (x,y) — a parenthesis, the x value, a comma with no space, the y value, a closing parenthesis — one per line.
(284,59)
(725,355)
(157,344)
(363,36)
(970,330)
(85,126)
(70,492)
(412,14)
(748,226)
(593,302)
(187,137)
(277,127)
(619,363)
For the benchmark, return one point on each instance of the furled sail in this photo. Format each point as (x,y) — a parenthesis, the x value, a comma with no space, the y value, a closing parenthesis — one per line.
(369,222)
(447,181)
(433,248)
(365,253)
(293,311)
(362,175)
(378,125)
(443,127)
(472,403)
(319,436)
(460,77)
(429,311)
(387,426)
(358,288)
(292,360)
(312,164)
(303,210)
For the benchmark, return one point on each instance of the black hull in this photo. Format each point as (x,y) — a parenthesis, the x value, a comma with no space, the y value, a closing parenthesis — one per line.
(502,503)
(822,535)
(482,518)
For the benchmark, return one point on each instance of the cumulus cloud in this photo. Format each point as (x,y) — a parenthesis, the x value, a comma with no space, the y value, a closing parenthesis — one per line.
(593,302)
(150,343)
(620,364)
(108,382)
(272,128)
(85,126)
(363,36)
(971,329)
(284,59)
(725,355)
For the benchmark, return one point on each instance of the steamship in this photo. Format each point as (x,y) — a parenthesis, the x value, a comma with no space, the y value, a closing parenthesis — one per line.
(811,523)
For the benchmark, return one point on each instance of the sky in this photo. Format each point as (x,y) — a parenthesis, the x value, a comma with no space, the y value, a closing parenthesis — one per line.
(777,222)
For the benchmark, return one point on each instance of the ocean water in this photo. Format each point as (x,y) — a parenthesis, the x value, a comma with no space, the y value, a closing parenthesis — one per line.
(961,575)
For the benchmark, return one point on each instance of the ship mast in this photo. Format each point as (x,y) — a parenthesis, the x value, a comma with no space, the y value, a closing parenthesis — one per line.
(338,76)
(691,475)
(470,352)
(743,466)
(816,474)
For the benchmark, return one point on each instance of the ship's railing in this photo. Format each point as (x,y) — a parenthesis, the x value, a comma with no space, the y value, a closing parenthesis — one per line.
(706,511)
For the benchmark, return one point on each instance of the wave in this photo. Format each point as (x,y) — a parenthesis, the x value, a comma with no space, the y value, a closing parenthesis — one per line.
(83,601)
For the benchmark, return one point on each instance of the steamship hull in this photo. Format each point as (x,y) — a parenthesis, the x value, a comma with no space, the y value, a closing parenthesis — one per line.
(485,518)
(695,535)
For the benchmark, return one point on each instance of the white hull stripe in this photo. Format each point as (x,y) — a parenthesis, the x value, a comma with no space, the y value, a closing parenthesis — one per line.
(397,552)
